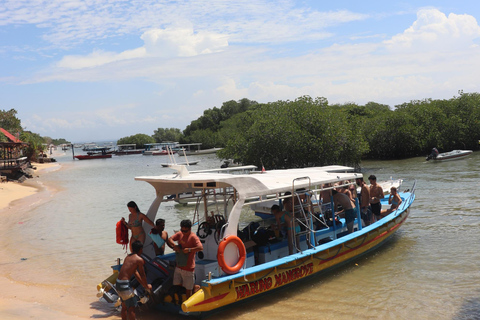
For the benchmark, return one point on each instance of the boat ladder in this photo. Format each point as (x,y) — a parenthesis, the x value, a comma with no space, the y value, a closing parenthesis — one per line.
(307,213)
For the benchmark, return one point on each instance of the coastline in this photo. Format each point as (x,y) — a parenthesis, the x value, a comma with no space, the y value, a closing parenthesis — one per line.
(12,191)
(35,296)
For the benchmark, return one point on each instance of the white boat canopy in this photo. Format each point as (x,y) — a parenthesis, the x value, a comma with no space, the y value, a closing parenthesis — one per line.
(249,185)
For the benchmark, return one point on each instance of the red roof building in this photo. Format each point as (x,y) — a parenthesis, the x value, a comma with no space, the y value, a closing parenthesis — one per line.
(10,136)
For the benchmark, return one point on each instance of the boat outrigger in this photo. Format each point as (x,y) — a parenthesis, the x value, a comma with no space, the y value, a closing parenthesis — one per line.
(237,263)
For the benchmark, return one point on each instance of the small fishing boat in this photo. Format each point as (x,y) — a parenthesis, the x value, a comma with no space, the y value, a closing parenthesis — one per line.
(95,153)
(158,149)
(189,163)
(243,259)
(126,149)
(447,156)
(202,151)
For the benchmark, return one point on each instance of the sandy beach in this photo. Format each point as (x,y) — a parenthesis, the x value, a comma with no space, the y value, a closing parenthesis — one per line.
(33,297)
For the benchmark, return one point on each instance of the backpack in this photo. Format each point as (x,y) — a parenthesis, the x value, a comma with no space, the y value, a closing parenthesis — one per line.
(122,234)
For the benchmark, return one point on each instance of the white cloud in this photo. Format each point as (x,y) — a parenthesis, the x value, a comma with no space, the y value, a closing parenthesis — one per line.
(433,30)
(194,70)
(159,43)
(181,42)
(68,23)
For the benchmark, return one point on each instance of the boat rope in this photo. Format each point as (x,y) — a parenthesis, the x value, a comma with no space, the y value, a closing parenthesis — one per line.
(364,238)
(330,258)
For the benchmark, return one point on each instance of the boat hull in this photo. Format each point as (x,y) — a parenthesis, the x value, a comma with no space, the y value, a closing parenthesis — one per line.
(90,157)
(452,155)
(200,152)
(294,268)
(127,152)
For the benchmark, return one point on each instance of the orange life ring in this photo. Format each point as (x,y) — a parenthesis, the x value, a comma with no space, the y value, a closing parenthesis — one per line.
(221,257)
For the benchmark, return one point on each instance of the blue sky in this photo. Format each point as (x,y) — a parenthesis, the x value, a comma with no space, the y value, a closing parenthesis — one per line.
(106,69)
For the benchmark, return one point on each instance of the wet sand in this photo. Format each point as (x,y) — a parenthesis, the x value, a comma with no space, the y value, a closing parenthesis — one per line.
(35,296)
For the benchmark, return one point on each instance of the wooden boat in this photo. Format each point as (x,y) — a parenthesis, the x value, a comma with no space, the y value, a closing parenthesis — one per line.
(93,156)
(203,151)
(189,163)
(447,156)
(97,153)
(235,264)
(127,149)
(158,149)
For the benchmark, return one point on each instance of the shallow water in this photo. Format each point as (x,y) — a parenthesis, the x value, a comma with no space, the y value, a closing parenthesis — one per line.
(429,270)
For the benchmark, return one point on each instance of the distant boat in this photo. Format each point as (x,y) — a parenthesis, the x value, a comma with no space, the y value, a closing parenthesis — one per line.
(158,149)
(160,153)
(189,163)
(126,149)
(447,156)
(230,163)
(173,162)
(96,153)
(93,156)
(204,151)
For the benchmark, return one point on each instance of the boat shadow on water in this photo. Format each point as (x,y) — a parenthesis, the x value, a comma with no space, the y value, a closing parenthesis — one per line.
(470,309)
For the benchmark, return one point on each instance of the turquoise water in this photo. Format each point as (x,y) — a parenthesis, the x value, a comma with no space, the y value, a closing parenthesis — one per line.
(429,270)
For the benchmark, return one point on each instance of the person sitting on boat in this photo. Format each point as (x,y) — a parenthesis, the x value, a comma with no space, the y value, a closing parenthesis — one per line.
(159,237)
(433,154)
(364,201)
(132,265)
(135,219)
(346,190)
(350,213)
(288,219)
(394,200)
(188,244)
(376,193)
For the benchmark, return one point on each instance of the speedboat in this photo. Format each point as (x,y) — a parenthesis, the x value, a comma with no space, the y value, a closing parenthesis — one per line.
(447,156)
(244,259)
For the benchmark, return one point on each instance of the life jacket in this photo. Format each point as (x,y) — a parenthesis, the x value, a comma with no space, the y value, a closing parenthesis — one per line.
(122,234)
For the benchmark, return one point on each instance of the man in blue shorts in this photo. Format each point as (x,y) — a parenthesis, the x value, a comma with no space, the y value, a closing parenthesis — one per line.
(350,212)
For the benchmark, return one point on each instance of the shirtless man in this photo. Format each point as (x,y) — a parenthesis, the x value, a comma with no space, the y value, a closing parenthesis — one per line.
(376,193)
(364,200)
(350,212)
(133,264)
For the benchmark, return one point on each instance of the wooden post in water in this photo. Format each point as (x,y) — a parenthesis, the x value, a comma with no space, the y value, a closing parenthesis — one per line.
(73,152)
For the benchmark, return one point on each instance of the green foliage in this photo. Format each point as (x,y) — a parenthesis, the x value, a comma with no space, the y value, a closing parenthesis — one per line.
(293,134)
(208,129)
(139,139)
(58,142)
(35,144)
(10,122)
(167,134)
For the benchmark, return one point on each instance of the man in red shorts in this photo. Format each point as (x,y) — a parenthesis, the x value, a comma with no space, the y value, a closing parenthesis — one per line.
(188,245)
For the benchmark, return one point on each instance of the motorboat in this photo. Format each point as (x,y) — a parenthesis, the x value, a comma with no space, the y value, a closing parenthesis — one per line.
(447,156)
(95,153)
(243,259)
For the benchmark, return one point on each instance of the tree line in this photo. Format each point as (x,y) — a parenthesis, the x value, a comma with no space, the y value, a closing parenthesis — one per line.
(35,142)
(311,132)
